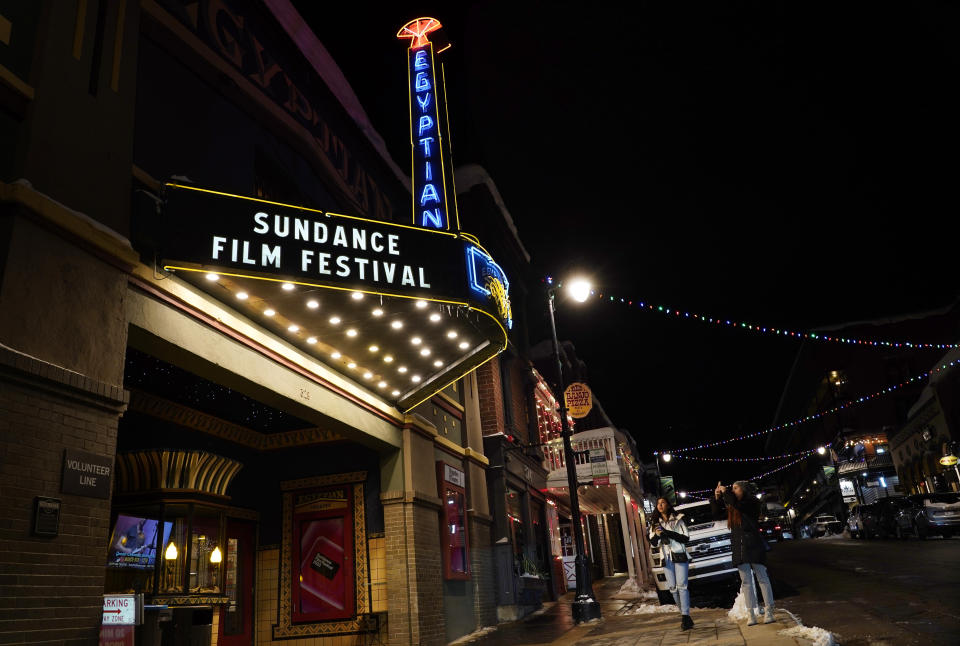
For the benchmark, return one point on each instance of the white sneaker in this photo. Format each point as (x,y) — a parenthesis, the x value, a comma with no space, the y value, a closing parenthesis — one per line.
(769,616)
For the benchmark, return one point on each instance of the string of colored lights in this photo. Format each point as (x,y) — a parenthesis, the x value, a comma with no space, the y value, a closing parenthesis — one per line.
(770,330)
(815,416)
(756,477)
(755,459)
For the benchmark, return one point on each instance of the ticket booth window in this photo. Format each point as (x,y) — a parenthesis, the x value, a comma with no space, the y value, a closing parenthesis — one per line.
(453,531)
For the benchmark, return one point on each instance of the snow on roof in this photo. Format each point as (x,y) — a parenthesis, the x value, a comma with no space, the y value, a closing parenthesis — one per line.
(470,175)
(323,63)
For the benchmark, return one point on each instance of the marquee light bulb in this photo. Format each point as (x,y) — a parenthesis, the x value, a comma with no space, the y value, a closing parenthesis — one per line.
(378,312)
(313,304)
(402,369)
(395,393)
(335,320)
(242,296)
(357,296)
(437,363)
(368,375)
(579,289)
(387,358)
(425,352)
(415,379)
(335,355)
(452,334)
(382,384)
(287,287)
(213,278)
(293,328)
(396,325)
(416,340)
(421,304)
(463,345)
(351,365)
(311,340)
(435,317)
(351,332)
(269,312)
(374,348)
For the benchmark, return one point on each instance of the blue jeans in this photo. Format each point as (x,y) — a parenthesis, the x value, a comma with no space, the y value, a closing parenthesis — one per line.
(746,585)
(676,574)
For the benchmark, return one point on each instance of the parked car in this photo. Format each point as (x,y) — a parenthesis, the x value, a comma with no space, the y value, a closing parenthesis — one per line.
(824,525)
(711,560)
(868,519)
(773,530)
(935,513)
(894,517)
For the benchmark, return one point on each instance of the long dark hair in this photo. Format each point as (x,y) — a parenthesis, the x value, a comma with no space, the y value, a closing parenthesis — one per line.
(670,510)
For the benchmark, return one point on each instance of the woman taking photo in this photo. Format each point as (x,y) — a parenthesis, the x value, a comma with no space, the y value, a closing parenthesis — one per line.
(749,551)
(669,530)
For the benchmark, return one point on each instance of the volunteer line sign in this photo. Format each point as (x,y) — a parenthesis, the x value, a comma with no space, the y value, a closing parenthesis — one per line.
(252,237)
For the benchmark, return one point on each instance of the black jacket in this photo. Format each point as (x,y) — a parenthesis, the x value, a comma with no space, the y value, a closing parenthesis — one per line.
(745,541)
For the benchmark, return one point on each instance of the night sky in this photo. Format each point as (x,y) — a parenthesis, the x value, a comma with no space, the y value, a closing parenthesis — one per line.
(792,165)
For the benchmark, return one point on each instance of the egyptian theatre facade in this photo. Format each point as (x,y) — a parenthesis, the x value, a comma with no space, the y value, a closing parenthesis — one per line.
(237,342)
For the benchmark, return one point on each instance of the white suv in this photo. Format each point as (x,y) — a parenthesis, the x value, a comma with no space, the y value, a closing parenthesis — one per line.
(709,548)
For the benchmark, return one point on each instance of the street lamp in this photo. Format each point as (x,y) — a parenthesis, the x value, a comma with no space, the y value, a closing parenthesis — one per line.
(585,606)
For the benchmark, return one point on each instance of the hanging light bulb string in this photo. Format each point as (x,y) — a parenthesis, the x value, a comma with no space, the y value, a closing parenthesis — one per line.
(751,459)
(755,327)
(760,476)
(810,418)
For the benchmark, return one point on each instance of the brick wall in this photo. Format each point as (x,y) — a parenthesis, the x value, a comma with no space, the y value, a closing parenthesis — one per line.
(490,396)
(518,399)
(482,573)
(414,573)
(51,587)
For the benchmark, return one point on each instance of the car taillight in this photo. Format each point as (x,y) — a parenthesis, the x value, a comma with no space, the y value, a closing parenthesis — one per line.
(777,527)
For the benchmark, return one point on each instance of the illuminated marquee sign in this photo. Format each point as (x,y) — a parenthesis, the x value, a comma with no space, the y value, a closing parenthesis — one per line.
(428,147)
(488,280)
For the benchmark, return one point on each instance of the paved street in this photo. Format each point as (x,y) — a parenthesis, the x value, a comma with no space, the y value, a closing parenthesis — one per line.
(877,593)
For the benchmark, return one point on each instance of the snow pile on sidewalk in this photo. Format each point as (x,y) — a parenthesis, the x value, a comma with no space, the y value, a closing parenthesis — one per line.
(650,609)
(630,590)
(818,636)
(474,635)
(739,610)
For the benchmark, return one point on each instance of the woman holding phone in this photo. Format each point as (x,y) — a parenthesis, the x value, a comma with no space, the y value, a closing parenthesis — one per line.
(670,532)
(749,553)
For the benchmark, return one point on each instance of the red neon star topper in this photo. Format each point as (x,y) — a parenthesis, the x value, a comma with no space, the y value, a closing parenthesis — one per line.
(417,29)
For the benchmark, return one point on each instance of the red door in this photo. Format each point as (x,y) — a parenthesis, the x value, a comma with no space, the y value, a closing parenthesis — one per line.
(236,618)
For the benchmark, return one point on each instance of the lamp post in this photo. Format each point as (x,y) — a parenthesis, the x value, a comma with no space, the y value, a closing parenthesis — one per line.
(585,606)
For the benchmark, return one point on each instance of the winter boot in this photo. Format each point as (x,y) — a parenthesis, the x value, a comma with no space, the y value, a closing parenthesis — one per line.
(768,615)
(686,623)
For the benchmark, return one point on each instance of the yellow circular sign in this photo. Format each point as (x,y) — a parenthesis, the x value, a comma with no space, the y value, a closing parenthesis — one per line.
(949,460)
(579,399)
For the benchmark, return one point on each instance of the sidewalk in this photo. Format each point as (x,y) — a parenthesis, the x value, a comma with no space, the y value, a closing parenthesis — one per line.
(553,625)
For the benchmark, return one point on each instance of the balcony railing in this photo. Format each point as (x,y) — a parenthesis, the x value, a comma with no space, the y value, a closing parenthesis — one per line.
(601,438)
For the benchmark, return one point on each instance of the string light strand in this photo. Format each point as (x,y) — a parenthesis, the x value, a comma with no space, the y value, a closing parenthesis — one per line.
(810,418)
(769,330)
(752,459)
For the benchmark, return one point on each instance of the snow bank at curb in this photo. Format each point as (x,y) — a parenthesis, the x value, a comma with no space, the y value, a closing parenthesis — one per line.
(818,636)
(472,636)
(630,590)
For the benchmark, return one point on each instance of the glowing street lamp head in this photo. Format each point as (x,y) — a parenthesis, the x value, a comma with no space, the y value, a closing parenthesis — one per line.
(821,450)
(579,289)
(683,494)
(667,457)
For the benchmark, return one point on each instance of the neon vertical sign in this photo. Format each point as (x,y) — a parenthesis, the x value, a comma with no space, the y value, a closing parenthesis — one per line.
(428,147)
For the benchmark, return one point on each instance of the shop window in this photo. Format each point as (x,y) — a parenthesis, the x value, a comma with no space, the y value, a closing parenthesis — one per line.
(453,539)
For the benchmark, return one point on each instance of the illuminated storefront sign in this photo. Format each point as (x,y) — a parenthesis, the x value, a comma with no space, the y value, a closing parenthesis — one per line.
(430,207)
